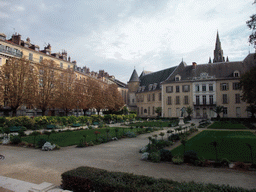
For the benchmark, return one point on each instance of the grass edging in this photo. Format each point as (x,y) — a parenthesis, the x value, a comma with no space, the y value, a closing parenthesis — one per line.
(94,179)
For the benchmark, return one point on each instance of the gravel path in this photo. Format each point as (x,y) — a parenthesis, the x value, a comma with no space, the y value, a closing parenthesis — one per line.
(38,166)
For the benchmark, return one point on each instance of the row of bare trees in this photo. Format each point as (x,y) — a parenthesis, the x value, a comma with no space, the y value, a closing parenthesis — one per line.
(42,86)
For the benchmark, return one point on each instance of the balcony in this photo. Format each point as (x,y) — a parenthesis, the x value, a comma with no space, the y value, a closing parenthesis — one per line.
(11,52)
(205,103)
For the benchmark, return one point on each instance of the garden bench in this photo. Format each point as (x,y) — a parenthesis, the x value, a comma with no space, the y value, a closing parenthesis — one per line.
(15,128)
(95,123)
(76,125)
(51,127)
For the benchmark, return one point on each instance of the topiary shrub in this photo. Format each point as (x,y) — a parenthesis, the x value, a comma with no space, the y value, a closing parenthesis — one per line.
(155,157)
(225,162)
(166,155)
(15,140)
(177,160)
(190,156)
(174,137)
(41,142)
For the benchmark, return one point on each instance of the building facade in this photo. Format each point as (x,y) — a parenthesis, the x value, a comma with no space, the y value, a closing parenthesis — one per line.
(199,86)
(15,47)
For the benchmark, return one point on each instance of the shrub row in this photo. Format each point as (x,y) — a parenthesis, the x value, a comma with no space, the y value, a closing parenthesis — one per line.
(93,179)
(43,121)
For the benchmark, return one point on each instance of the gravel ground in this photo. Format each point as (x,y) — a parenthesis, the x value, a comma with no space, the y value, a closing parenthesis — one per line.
(38,166)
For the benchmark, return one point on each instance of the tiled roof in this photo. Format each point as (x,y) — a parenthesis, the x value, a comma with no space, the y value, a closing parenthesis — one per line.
(215,70)
(134,77)
(156,77)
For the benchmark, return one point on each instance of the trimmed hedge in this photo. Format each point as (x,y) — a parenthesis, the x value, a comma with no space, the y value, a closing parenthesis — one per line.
(93,179)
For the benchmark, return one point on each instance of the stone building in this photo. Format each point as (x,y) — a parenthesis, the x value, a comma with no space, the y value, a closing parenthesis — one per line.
(200,86)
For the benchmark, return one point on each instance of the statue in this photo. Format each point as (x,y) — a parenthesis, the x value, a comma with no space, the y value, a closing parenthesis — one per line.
(183,109)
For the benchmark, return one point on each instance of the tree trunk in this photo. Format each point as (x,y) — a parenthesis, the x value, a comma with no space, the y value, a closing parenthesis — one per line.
(84,110)
(14,112)
(66,111)
(43,111)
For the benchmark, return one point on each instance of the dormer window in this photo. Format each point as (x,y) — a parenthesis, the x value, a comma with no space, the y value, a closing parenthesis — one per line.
(139,90)
(177,78)
(154,86)
(236,74)
(143,88)
(150,87)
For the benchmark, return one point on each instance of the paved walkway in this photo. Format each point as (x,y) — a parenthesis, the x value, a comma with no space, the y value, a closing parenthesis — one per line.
(36,166)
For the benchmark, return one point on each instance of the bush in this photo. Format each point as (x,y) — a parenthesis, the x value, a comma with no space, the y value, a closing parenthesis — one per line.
(225,162)
(240,165)
(155,157)
(15,140)
(190,156)
(40,143)
(92,179)
(165,155)
(130,134)
(177,160)
(174,137)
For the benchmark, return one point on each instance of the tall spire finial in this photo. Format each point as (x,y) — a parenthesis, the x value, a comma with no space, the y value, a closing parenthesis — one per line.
(218,52)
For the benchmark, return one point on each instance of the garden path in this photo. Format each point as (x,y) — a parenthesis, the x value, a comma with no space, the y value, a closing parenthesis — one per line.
(38,166)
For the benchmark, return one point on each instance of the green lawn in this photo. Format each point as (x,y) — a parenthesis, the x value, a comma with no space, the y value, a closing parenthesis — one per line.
(226,125)
(64,139)
(230,145)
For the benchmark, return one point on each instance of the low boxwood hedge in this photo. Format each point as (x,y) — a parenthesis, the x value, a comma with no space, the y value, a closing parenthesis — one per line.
(93,179)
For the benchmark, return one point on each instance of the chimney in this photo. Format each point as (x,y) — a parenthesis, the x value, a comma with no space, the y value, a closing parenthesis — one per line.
(194,65)
(69,59)
(16,38)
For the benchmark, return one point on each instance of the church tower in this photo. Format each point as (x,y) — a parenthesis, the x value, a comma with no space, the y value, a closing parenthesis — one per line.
(133,85)
(218,52)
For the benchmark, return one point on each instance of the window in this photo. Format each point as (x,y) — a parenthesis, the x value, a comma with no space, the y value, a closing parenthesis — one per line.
(236,86)
(197,100)
(204,87)
(185,88)
(148,110)
(197,88)
(40,59)
(237,98)
(138,110)
(145,111)
(169,100)
(224,98)
(160,97)
(61,65)
(225,111)
(141,112)
(210,87)
(150,87)
(186,100)
(30,57)
(204,99)
(177,88)
(236,73)
(154,86)
(211,99)
(177,112)
(224,86)
(153,110)
(148,97)
(177,78)
(153,97)
(177,100)
(169,89)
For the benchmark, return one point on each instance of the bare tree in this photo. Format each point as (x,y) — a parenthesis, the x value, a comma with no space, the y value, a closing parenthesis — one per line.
(19,83)
(47,85)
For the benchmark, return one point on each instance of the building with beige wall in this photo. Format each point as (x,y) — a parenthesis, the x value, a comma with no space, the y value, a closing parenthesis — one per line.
(18,48)
(200,86)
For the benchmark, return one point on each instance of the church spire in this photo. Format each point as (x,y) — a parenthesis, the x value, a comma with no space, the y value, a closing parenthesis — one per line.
(218,52)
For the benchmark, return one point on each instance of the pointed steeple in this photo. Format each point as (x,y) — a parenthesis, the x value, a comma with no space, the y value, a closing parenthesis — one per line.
(134,77)
(210,60)
(218,52)
(227,60)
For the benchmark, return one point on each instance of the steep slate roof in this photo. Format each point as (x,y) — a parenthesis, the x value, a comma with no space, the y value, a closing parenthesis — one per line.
(119,83)
(134,76)
(217,70)
(156,77)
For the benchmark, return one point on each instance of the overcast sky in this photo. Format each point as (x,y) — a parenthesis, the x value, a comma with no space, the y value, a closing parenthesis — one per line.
(118,35)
